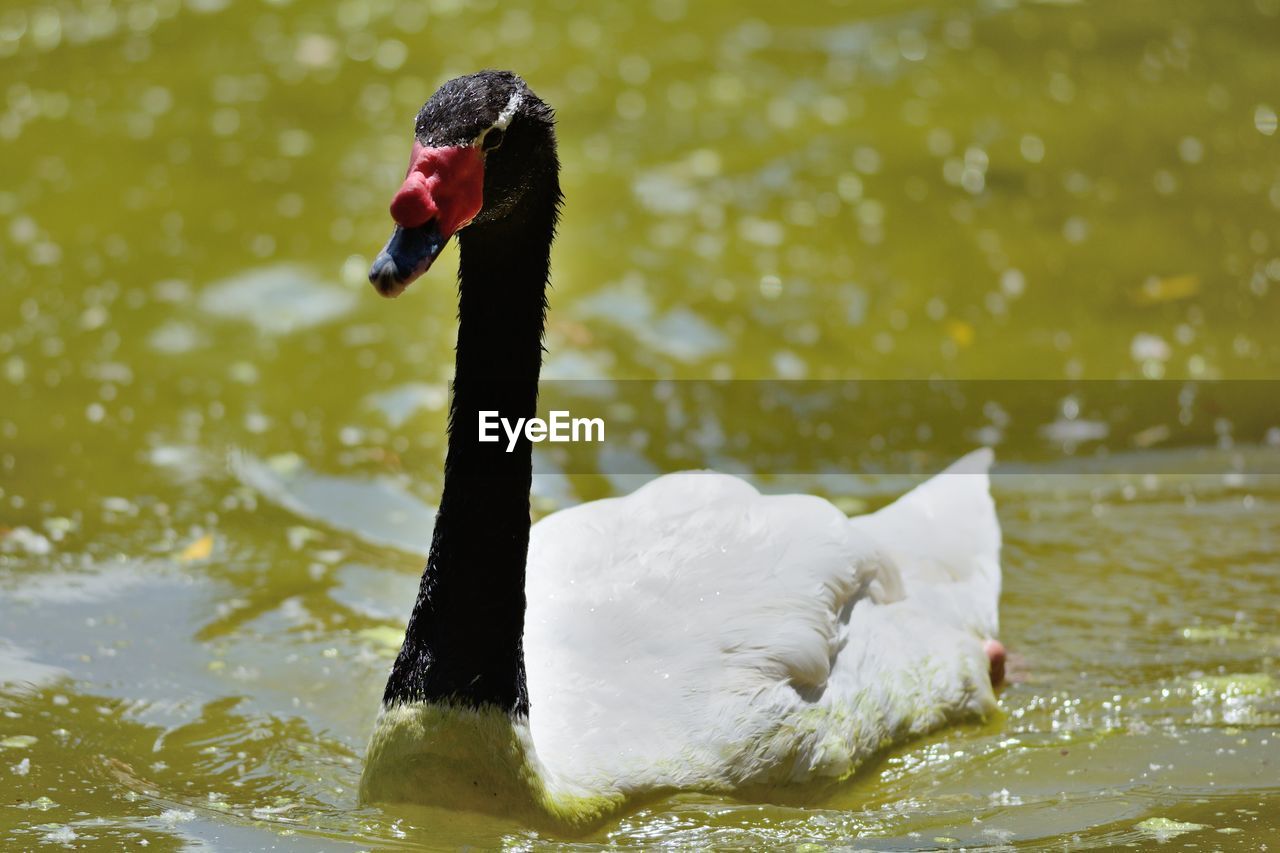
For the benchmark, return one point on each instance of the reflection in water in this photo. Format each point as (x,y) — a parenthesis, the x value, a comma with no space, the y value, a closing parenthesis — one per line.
(277,300)
(219,453)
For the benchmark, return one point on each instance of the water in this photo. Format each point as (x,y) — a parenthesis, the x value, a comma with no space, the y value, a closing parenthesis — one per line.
(219,450)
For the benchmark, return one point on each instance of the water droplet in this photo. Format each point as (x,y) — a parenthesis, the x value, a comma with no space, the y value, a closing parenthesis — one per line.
(1191,150)
(1032,148)
(1264,119)
(771,287)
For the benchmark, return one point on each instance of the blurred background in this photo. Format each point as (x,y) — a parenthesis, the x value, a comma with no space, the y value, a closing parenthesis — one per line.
(219,449)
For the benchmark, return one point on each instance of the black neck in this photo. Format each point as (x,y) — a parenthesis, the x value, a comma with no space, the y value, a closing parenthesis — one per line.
(464,641)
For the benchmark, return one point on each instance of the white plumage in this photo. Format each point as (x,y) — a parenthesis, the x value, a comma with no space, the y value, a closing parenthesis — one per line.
(697,635)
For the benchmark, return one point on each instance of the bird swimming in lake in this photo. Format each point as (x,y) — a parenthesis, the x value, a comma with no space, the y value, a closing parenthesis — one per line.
(694,635)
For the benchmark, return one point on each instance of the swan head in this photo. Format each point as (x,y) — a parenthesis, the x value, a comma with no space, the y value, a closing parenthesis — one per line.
(481,144)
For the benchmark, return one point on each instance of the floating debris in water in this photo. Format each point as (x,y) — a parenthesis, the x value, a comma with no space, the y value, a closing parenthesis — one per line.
(59,527)
(175,337)
(960,332)
(26,540)
(1156,290)
(1069,432)
(285,463)
(17,741)
(200,549)
(299,535)
(1151,436)
(60,835)
(173,817)
(1163,828)
(386,640)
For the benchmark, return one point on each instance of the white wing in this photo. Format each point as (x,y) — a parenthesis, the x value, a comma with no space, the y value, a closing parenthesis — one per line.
(698,634)
(945,536)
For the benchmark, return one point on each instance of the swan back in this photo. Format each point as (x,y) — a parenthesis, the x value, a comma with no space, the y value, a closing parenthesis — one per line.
(698,634)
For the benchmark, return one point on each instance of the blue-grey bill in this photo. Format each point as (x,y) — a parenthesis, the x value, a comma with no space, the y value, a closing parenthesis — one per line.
(407,255)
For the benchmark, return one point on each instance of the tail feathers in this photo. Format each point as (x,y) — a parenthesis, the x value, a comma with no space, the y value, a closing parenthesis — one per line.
(944,537)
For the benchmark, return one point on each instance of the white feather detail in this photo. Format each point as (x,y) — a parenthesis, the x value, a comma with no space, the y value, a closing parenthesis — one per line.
(509,111)
(503,120)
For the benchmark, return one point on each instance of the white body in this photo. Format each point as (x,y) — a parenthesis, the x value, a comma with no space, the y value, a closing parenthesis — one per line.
(697,635)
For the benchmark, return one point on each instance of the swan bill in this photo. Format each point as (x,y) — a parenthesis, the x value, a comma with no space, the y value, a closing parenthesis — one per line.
(408,254)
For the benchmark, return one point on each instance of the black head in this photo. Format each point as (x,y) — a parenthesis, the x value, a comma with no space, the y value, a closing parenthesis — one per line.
(484,152)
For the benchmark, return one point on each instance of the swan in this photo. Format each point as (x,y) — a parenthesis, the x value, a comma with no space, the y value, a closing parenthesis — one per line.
(694,635)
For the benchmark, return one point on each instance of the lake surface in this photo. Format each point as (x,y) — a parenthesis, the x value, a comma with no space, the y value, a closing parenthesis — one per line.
(828,249)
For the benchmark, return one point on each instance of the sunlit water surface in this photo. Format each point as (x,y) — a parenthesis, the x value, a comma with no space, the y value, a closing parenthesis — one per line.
(219,450)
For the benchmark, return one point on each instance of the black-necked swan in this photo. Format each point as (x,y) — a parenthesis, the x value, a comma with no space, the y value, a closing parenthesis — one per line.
(693,635)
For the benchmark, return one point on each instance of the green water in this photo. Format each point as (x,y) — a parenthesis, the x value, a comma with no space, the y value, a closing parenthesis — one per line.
(219,449)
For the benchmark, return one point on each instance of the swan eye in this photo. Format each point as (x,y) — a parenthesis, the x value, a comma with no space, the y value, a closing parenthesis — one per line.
(493,139)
